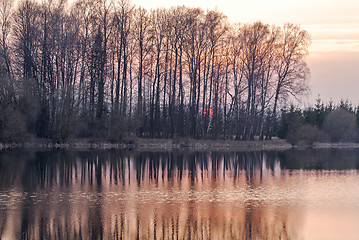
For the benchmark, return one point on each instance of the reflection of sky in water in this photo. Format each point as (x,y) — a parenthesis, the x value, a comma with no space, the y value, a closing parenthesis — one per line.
(163,195)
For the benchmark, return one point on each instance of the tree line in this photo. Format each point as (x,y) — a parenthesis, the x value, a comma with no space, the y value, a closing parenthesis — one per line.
(322,123)
(109,69)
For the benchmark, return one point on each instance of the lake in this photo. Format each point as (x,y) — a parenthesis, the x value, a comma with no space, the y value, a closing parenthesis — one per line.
(295,194)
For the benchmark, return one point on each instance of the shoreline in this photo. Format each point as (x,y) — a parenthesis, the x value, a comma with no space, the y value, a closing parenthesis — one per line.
(147,144)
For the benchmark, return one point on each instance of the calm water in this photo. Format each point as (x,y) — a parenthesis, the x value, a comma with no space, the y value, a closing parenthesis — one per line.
(312,194)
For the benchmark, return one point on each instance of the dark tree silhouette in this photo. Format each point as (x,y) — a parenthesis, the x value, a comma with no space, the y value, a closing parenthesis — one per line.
(98,68)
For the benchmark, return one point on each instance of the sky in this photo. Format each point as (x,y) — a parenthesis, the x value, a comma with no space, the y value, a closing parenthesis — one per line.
(333,25)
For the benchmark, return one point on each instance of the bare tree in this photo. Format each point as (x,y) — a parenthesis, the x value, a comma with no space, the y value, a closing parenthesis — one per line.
(254,40)
(7,89)
(141,38)
(291,71)
(5,21)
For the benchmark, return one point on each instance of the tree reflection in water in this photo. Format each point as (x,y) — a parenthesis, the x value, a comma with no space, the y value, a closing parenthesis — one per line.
(176,195)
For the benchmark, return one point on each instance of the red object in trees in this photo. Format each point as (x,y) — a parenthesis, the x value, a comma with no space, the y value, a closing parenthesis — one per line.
(208,111)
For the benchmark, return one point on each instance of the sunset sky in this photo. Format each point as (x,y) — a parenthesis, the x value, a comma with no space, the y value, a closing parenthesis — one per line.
(333,25)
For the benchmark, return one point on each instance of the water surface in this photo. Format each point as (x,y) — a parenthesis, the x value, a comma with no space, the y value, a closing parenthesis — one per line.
(312,194)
